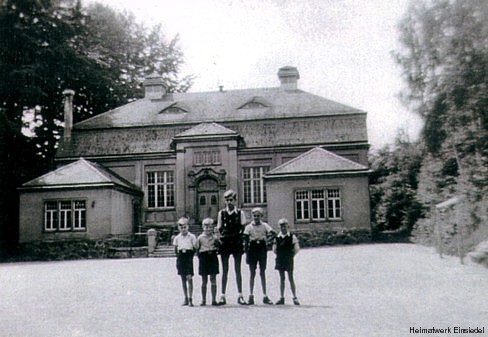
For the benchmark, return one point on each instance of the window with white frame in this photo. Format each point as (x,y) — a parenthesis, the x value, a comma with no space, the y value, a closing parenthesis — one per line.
(301,205)
(160,189)
(64,215)
(318,204)
(334,204)
(79,212)
(253,184)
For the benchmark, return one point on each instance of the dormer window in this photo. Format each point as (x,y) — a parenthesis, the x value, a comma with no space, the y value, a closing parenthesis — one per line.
(175,108)
(255,103)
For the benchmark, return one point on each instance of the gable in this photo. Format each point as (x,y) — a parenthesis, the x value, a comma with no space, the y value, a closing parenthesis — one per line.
(256,102)
(318,161)
(80,173)
(175,108)
(205,129)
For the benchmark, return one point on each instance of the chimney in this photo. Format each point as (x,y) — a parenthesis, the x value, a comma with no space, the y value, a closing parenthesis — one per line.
(68,112)
(288,77)
(154,87)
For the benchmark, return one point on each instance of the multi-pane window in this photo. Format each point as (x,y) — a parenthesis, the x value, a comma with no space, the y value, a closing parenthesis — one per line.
(318,204)
(301,204)
(79,214)
(51,215)
(206,158)
(160,189)
(64,215)
(334,204)
(254,188)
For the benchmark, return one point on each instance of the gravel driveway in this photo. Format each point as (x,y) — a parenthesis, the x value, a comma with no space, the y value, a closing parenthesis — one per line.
(365,290)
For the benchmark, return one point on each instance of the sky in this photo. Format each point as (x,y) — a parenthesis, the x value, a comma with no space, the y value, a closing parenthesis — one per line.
(342,49)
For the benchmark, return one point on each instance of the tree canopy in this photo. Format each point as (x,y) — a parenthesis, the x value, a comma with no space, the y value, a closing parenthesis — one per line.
(47,46)
(104,55)
(444,58)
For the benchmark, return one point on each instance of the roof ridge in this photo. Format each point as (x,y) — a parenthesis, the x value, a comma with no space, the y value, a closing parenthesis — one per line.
(50,172)
(338,158)
(343,158)
(95,169)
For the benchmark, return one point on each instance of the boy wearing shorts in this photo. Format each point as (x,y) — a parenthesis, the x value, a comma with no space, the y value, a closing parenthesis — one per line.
(184,244)
(256,237)
(285,246)
(230,224)
(207,244)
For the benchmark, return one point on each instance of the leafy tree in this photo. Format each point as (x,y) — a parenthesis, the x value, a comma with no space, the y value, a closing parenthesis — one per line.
(47,46)
(393,185)
(445,65)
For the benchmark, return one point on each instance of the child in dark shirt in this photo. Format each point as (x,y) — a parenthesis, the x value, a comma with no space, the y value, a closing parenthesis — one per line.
(285,246)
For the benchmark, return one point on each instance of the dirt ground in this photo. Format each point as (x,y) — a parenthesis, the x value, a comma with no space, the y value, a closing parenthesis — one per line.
(365,290)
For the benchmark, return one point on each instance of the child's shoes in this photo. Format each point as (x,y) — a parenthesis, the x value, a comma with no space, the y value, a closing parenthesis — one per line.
(185,302)
(266,300)
(190,302)
(295,301)
(280,301)
(241,301)
(250,301)
(215,303)
(222,300)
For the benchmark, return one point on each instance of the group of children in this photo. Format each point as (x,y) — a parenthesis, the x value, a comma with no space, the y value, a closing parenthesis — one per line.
(233,237)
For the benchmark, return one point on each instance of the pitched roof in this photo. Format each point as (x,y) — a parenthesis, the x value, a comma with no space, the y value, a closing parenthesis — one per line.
(222,106)
(207,129)
(315,162)
(81,173)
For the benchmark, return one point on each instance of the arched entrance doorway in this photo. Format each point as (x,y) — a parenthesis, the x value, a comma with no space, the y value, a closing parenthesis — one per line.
(207,199)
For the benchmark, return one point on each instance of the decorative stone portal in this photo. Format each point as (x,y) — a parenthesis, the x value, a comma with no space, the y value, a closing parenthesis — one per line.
(206,186)
(207,199)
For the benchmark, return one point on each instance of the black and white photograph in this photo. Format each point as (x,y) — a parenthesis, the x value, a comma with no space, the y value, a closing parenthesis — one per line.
(242,168)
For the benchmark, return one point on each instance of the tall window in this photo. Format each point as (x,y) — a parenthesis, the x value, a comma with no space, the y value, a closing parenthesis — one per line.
(301,204)
(51,215)
(318,204)
(254,189)
(334,204)
(79,214)
(160,189)
(64,215)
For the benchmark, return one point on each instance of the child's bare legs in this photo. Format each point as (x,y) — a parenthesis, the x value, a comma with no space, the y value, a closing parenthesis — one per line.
(292,283)
(224,258)
(190,286)
(237,269)
(187,285)
(213,286)
(225,271)
(184,286)
(262,274)
(282,283)
(204,289)
(252,270)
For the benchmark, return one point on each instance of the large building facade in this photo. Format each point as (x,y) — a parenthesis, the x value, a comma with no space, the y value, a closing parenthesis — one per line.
(295,154)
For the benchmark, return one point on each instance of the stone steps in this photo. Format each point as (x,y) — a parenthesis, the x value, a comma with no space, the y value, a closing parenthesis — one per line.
(163,251)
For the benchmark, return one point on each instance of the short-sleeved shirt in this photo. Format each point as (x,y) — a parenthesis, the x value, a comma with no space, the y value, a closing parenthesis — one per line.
(185,242)
(206,243)
(257,232)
